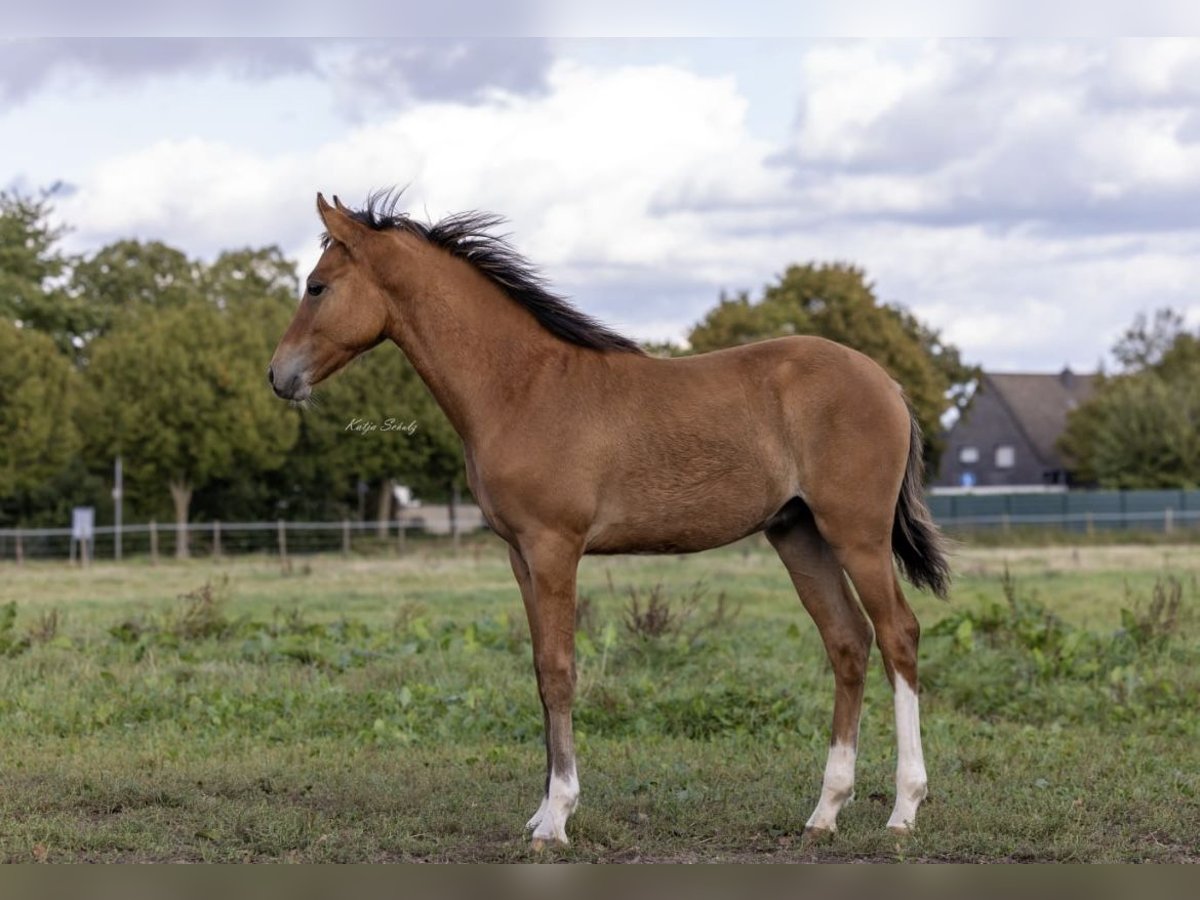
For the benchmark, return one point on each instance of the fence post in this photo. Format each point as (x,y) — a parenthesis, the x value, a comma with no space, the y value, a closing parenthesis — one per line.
(1168,519)
(401,533)
(153,542)
(1090,527)
(20,548)
(1004,522)
(345,537)
(216,539)
(282,540)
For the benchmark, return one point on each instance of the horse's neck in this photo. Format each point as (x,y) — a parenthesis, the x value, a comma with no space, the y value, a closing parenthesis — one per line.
(475,348)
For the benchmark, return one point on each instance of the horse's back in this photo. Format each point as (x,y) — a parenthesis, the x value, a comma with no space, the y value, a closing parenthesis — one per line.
(793,378)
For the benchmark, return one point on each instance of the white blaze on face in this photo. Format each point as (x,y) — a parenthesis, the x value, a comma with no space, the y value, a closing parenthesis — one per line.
(910,763)
(836,789)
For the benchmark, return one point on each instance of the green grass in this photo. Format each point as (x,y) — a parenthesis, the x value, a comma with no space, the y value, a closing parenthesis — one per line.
(379,709)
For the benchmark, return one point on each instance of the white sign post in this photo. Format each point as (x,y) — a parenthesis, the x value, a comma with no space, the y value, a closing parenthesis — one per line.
(118,495)
(83,521)
(403,496)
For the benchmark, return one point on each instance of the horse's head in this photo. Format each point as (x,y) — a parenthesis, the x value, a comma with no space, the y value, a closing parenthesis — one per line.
(344,312)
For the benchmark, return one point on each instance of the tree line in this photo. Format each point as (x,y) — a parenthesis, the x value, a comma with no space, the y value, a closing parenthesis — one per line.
(139,350)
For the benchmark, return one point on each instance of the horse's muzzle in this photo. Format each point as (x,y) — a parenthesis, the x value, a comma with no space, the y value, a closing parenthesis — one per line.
(288,385)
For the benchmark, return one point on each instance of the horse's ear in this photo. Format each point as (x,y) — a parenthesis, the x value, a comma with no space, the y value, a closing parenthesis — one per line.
(344,229)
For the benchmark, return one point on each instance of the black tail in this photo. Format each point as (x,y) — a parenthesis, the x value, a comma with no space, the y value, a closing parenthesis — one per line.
(916,541)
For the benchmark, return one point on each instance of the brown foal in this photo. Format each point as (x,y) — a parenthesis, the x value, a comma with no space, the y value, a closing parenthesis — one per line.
(576,442)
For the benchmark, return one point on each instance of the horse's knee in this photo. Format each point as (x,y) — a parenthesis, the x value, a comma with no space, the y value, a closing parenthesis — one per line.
(849,655)
(899,648)
(556,678)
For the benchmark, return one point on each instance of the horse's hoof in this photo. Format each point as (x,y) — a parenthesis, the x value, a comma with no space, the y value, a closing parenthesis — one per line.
(539,844)
(818,835)
(904,830)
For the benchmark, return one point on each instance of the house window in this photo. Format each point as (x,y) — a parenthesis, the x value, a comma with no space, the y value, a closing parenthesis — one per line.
(968,455)
(1006,456)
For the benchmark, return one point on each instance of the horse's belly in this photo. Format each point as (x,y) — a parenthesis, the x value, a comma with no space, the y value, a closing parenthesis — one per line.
(680,527)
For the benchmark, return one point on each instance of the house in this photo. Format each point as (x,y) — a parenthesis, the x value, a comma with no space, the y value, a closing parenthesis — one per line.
(1009,435)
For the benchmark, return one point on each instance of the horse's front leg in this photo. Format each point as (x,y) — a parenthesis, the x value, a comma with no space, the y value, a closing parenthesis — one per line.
(551,562)
(524,580)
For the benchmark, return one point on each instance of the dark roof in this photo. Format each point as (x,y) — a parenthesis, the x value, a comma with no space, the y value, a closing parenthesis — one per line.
(1039,403)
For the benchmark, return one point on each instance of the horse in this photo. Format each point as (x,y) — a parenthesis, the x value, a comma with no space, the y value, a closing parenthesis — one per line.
(578,442)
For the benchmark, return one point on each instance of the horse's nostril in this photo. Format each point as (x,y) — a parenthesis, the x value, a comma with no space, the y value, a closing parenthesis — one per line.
(271,375)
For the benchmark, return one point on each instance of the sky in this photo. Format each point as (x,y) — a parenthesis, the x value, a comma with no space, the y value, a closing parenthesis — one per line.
(1027,197)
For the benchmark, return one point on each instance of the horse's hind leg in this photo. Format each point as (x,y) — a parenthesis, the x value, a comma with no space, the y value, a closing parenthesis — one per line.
(844,629)
(869,565)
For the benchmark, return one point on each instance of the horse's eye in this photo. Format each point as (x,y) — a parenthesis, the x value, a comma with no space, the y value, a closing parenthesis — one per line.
(315,289)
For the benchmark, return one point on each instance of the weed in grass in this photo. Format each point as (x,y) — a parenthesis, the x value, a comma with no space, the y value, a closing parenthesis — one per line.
(43,631)
(201,613)
(131,630)
(406,612)
(10,643)
(1151,626)
(586,614)
(652,617)
(1018,659)
(287,569)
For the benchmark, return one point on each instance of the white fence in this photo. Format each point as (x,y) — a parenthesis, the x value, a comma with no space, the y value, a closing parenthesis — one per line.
(214,539)
(434,523)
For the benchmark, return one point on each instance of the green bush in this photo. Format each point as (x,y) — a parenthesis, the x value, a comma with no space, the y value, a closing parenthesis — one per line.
(1016,659)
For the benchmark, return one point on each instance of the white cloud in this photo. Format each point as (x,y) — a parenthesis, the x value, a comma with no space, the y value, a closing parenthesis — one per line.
(580,171)
(1027,198)
(1072,136)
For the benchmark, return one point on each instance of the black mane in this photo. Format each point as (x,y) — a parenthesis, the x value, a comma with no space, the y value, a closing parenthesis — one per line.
(468,236)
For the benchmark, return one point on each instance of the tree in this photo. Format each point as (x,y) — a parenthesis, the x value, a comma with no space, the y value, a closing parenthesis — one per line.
(33,269)
(182,397)
(128,278)
(37,395)
(1146,341)
(836,301)
(263,280)
(1141,428)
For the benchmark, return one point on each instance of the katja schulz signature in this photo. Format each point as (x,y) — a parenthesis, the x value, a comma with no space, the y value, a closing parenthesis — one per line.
(370,426)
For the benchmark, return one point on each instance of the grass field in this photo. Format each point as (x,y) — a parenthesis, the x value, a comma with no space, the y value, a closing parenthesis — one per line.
(384,709)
